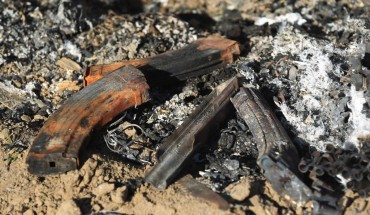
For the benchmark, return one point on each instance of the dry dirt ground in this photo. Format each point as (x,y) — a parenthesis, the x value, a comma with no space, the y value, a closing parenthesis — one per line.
(44,46)
(104,186)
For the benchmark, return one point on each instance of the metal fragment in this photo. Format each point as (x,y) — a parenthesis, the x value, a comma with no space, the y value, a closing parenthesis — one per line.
(133,146)
(191,135)
(278,156)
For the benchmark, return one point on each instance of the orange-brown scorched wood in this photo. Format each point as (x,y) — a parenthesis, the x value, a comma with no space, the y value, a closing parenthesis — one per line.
(58,144)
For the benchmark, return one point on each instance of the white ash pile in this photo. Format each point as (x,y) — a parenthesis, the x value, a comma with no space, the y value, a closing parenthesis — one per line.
(321,86)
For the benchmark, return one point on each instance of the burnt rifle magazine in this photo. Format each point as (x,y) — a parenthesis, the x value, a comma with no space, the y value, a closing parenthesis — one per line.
(277,155)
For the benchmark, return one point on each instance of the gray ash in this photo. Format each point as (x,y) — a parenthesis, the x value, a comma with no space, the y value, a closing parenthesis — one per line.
(232,156)
(318,84)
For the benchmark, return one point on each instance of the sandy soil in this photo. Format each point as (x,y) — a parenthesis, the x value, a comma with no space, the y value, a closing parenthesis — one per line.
(101,185)
(104,185)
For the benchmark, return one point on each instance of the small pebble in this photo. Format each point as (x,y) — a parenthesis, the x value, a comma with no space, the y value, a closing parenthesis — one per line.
(96,207)
(292,75)
(26,118)
(5,136)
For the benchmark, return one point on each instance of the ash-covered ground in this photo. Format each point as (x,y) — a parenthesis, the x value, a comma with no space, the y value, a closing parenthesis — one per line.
(310,59)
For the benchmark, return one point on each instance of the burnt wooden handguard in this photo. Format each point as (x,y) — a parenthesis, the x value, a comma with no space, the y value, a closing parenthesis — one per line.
(197,58)
(56,148)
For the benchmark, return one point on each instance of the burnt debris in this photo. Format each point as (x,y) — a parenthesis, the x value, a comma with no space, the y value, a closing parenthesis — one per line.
(195,59)
(119,87)
(309,60)
(191,135)
(350,168)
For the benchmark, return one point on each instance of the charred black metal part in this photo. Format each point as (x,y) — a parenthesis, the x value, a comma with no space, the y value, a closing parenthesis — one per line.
(334,163)
(305,165)
(284,181)
(278,156)
(272,139)
(193,133)
(133,147)
(201,191)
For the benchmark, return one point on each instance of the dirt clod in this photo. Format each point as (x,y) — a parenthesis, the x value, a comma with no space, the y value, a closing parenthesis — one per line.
(103,189)
(5,136)
(260,208)
(120,195)
(68,207)
(29,212)
(239,191)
